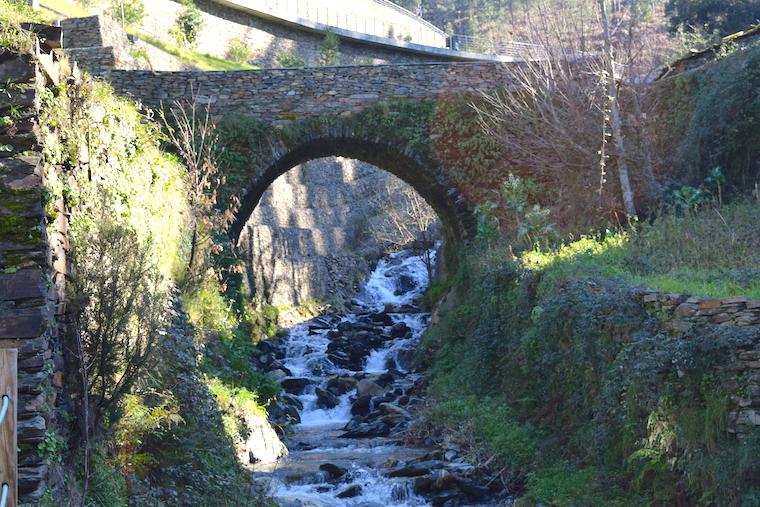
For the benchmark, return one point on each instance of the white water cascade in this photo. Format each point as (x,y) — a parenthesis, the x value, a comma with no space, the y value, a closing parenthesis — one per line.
(340,453)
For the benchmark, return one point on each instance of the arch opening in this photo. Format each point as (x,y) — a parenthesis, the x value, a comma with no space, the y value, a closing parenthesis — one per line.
(318,228)
(430,183)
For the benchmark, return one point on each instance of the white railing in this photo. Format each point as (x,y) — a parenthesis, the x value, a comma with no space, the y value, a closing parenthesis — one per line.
(416,31)
(482,45)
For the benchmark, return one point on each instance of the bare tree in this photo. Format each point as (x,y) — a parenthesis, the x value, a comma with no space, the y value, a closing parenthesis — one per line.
(567,101)
(613,108)
(407,219)
(193,135)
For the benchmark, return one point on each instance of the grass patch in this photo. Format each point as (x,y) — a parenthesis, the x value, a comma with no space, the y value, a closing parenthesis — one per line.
(55,9)
(714,252)
(200,61)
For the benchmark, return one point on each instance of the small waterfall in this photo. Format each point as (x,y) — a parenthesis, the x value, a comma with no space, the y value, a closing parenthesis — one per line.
(352,379)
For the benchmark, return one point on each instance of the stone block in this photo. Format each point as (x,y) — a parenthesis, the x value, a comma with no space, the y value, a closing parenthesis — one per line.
(23,284)
(709,304)
(721,318)
(31,429)
(734,300)
(17,70)
(26,323)
(686,309)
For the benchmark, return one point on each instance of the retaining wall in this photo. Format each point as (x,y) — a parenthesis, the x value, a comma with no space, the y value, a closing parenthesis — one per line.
(682,313)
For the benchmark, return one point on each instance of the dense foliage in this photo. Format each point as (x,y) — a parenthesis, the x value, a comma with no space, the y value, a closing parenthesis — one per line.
(709,118)
(723,16)
(160,393)
(549,364)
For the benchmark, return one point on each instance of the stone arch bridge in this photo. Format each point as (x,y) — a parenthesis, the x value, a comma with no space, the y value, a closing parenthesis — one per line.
(311,113)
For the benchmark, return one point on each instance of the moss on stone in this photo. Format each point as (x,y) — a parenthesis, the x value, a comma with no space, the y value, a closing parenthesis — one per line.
(17,223)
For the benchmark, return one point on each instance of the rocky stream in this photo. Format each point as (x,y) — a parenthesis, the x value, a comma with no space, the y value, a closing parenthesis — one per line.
(351,396)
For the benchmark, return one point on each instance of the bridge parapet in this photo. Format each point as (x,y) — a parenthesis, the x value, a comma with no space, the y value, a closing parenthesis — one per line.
(282,95)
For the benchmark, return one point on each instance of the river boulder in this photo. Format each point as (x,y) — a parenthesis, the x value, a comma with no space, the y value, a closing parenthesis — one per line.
(295,385)
(326,399)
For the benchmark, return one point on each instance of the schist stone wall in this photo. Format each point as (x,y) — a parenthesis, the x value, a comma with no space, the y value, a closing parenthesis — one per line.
(309,236)
(32,275)
(681,314)
(275,95)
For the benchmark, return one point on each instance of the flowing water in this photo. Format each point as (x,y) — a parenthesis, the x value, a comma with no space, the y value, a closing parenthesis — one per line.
(346,445)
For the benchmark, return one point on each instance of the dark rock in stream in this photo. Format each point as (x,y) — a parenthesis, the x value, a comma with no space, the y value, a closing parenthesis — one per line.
(405,358)
(326,399)
(381,318)
(473,491)
(334,472)
(361,406)
(341,385)
(367,387)
(368,430)
(344,327)
(350,492)
(295,385)
(404,284)
(400,329)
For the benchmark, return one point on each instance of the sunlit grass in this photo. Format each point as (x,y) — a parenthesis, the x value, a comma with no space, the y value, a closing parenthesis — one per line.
(714,252)
(54,9)
(200,61)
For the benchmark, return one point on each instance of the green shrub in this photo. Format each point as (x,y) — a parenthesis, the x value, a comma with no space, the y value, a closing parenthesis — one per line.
(129,12)
(329,49)
(552,366)
(189,25)
(238,50)
(290,59)
(107,487)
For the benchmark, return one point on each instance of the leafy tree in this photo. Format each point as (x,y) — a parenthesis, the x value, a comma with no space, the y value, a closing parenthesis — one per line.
(119,298)
(238,51)
(329,49)
(188,26)
(725,16)
(129,12)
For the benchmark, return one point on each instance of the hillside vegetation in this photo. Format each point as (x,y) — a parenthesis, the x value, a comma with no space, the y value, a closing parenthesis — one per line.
(548,366)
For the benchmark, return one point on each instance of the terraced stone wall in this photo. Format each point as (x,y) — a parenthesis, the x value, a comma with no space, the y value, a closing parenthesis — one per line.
(33,274)
(682,314)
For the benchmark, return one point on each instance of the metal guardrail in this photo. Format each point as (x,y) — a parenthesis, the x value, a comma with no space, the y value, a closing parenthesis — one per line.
(4,408)
(419,32)
(482,45)
(4,495)
(8,427)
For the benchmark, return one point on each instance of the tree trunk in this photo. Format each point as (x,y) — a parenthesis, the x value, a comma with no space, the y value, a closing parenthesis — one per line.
(615,121)
(85,411)
(193,246)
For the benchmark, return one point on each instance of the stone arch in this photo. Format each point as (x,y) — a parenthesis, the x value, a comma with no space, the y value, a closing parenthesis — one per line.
(301,143)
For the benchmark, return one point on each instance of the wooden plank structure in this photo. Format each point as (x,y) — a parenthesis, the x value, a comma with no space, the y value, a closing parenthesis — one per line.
(8,450)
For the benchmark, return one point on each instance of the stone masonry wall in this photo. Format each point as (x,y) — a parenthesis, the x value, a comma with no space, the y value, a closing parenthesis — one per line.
(682,313)
(267,39)
(99,43)
(277,95)
(32,276)
(308,238)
